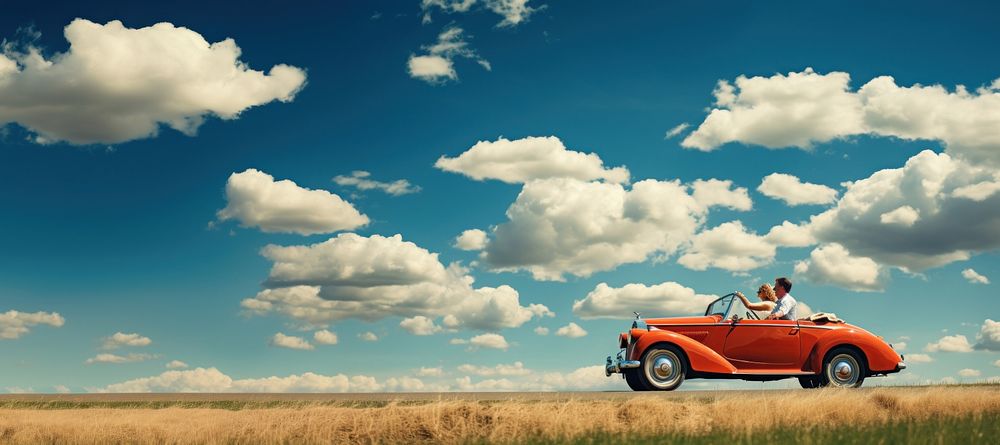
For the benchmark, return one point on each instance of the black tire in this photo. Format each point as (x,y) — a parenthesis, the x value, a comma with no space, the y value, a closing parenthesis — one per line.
(634,380)
(810,382)
(843,368)
(663,367)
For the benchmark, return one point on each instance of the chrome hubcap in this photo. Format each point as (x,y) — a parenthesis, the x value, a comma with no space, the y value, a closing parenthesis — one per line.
(843,370)
(662,368)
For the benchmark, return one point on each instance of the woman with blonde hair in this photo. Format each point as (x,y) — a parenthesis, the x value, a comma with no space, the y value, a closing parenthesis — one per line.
(767,299)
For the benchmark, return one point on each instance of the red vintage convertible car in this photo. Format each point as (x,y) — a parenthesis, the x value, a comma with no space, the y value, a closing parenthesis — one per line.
(733,342)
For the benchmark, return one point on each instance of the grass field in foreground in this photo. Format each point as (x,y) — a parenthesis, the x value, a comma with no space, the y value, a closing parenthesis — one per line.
(883,415)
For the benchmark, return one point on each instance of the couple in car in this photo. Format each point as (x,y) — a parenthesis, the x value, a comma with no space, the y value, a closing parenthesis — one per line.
(777,301)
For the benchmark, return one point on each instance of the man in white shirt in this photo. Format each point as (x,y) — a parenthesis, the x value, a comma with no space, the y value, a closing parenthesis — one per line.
(785,308)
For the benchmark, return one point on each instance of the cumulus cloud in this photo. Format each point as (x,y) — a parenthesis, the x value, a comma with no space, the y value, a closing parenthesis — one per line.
(800,109)
(430,372)
(968,372)
(361,180)
(563,225)
(472,239)
(14,324)
(437,65)
(572,330)
(325,337)
(493,341)
(833,264)
(368,336)
(989,336)
(790,235)
(516,368)
(974,277)
(526,159)
(114,358)
(919,358)
(370,278)
(255,199)
(176,364)
(794,192)
(715,192)
(664,299)
(116,84)
(728,246)
(542,330)
(420,325)
(586,378)
(212,380)
(909,217)
(120,339)
(290,342)
(514,12)
(950,343)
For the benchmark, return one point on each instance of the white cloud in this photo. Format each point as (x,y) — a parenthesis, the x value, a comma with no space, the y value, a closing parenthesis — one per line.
(120,339)
(437,66)
(370,278)
(542,330)
(514,12)
(516,368)
(368,336)
(950,343)
(715,192)
(325,337)
(664,299)
(420,325)
(117,84)
(176,364)
(586,378)
(974,277)
(790,235)
(472,239)
(255,199)
(835,265)
(361,180)
(678,129)
(561,225)
(530,158)
(19,390)
(572,330)
(977,192)
(905,216)
(728,246)
(404,384)
(794,192)
(213,380)
(948,228)
(493,341)
(919,358)
(989,336)
(290,342)
(899,346)
(968,372)
(114,358)
(800,109)
(62,389)
(14,324)
(997,363)
(430,372)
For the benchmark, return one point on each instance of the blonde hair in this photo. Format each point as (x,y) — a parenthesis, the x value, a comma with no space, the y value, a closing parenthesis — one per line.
(768,293)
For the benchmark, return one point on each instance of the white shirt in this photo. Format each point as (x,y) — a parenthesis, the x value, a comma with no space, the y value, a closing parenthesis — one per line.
(786,305)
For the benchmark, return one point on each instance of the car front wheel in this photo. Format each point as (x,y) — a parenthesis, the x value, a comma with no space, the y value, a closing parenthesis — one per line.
(634,380)
(810,382)
(663,368)
(843,368)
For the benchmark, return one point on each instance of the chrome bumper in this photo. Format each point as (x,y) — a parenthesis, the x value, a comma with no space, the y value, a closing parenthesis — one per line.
(900,366)
(617,364)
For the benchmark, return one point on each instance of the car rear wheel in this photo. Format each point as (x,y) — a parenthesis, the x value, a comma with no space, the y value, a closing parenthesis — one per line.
(663,368)
(843,368)
(810,382)
(634,380)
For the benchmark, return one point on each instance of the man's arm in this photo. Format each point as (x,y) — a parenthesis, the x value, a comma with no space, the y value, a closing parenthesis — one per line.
(782,308)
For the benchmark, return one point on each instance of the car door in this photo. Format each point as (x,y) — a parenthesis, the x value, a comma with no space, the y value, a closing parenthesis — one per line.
(763,344)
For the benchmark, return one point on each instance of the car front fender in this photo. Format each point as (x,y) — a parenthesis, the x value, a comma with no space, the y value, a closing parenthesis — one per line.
(700,358)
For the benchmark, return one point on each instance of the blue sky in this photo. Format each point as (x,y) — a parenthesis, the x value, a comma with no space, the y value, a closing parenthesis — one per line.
(115,229)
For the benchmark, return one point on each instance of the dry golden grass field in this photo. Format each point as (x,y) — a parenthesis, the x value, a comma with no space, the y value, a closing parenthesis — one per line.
(952,414)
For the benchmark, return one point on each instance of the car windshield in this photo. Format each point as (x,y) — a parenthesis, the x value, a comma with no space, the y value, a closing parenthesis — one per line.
(738,308)
(720,306)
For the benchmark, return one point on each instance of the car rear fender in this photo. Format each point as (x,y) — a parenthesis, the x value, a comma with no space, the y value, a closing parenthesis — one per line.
(701,358)
(878,355)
